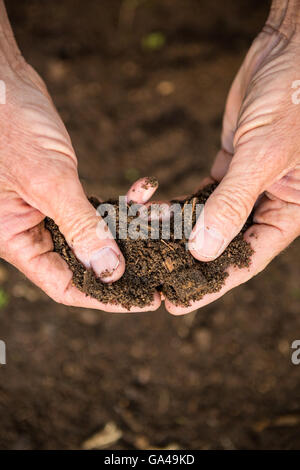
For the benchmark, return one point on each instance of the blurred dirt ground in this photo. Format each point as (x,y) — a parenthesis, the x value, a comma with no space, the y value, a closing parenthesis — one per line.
(141,87)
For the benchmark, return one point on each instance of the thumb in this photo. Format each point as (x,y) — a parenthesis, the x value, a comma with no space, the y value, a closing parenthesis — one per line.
(229,206)
(85,231)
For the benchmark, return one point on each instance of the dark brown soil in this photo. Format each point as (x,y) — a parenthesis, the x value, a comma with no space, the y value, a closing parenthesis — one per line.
(166,266)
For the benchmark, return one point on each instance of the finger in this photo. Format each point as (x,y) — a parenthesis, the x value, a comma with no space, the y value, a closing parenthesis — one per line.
(260,47)
(267,239)
(204,182)
(228,207)
(231,113)
(221,166)
(32,253)
(142,190)
(61,197)
(16,216)
(182,197)
(158,210)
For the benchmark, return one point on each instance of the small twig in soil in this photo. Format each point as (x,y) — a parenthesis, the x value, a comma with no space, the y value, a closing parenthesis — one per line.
(167,244)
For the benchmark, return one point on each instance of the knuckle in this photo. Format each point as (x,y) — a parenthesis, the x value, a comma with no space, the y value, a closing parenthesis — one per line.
(56,291)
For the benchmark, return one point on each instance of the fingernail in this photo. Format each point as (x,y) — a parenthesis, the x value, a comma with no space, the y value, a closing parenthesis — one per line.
(210,245)
(104,262)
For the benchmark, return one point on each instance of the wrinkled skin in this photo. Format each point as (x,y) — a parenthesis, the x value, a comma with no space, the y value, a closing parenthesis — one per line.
(259,162)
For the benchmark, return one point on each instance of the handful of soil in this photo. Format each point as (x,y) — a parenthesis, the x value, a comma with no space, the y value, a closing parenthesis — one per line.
(157,264)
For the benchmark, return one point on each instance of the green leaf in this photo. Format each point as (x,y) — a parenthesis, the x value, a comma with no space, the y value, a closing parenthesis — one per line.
(154,41)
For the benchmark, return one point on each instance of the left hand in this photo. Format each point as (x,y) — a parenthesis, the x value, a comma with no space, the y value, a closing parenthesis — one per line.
(259,161)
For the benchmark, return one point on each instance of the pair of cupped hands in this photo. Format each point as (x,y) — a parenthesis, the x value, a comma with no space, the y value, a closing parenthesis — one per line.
(258,166)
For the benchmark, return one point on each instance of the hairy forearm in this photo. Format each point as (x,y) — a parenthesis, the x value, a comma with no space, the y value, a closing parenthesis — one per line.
(10,54)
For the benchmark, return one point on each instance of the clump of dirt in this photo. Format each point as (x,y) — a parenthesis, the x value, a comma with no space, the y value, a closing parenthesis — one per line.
(150,182)
(156,264)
